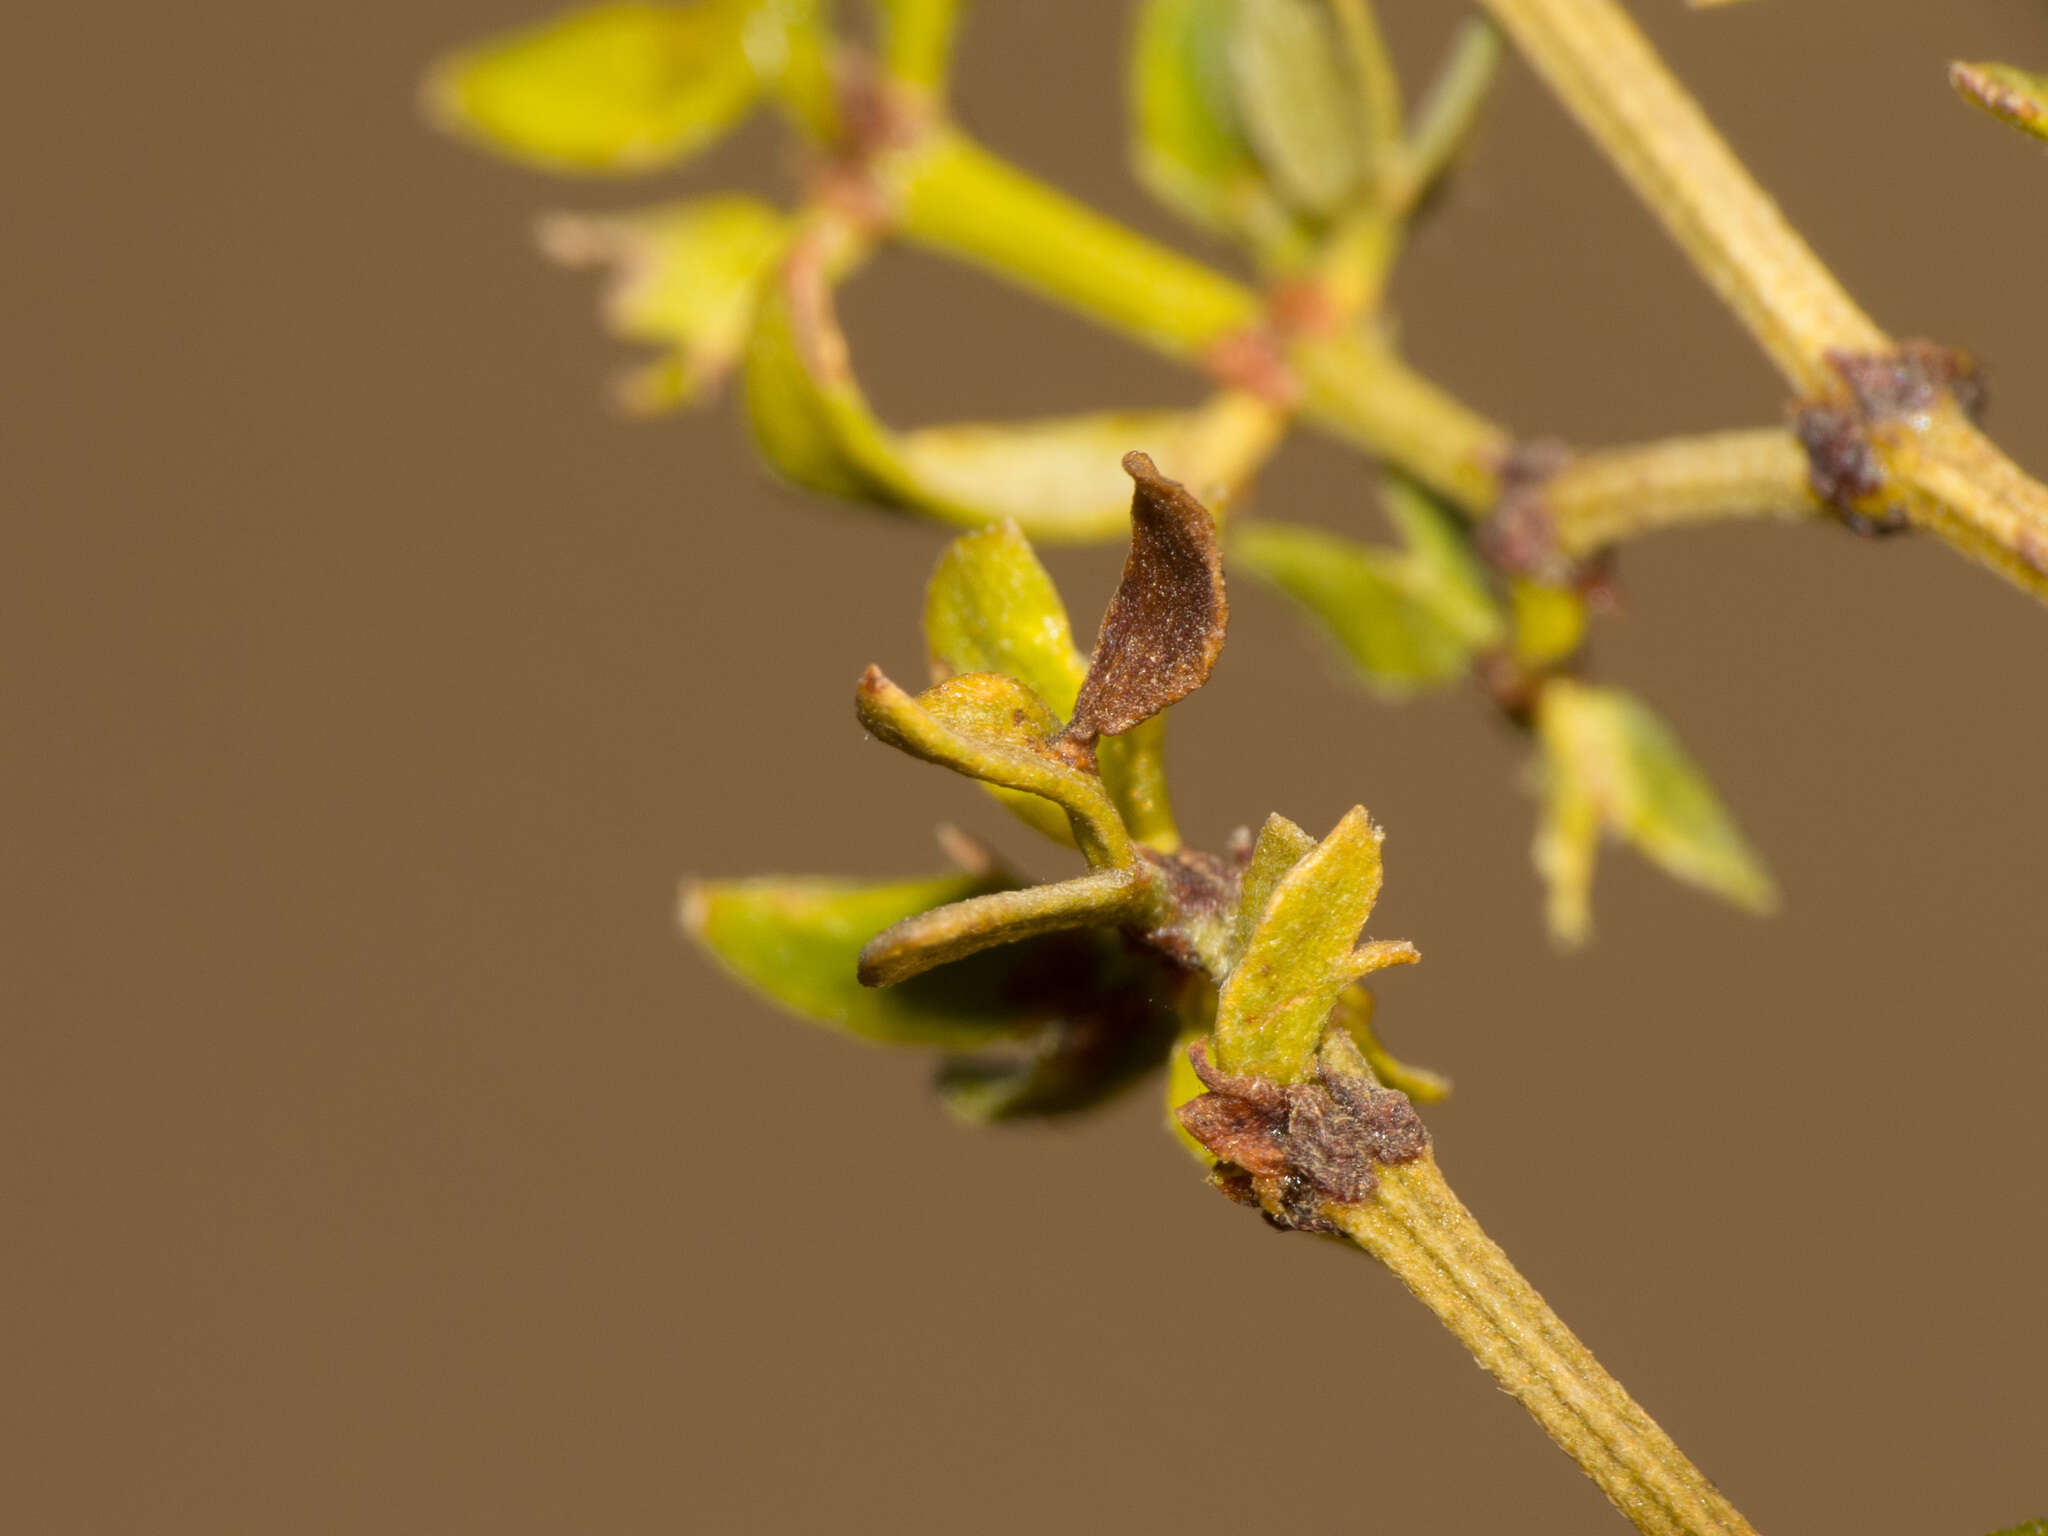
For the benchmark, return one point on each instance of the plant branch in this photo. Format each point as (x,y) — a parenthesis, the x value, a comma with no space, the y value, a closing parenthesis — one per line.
(1949,478)
(1612,80)
(955,197)
(959,200)
(1417,1227)
(1602,497)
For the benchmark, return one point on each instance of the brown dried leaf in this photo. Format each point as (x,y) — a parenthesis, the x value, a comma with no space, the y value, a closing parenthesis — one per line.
(1164,627)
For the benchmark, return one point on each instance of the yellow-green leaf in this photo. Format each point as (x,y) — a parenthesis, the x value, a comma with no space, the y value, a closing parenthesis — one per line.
(683,276)
(1188,145)
(991,607)
(2011,95)
(616,87)
(1280,847)
(1609,763)
(1407,619)
(994,729)
(797,942)
(1298,102)
(1549,623)
(1059,480)
(1301,955)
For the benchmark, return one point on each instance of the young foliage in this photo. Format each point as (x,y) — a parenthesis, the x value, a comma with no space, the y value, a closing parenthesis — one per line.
(1054,478)
(1407,619)
(620,87)
(1277,123)
(1610,765)
(1261,945)
(685,277)
(2011,95)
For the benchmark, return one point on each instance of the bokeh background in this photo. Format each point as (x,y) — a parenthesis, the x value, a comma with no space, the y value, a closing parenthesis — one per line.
(375,1156)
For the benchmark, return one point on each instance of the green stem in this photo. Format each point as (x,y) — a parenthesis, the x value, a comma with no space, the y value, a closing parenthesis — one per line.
(1368,396)
(1602,497)
(1417,1227)
(1613,82)
(917,41)
(957,198)
(1955,481)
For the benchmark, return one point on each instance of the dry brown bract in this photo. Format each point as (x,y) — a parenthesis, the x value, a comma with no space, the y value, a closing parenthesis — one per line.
(1164,627)
(1291,1148)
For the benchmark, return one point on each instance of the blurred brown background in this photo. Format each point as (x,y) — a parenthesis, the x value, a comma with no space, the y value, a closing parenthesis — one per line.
(378,1159)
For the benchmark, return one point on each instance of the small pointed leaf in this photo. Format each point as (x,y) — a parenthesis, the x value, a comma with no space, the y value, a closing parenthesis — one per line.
(2011,95)
(1609,763)
(989,728)
(684,276)
(1164,626)
(1407,620)
(1298,102)
(1272,1006)
(1280,847)
(1447,119)
(624,86)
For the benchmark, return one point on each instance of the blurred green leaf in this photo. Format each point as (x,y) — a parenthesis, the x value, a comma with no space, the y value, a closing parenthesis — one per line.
(1297,101)
(1188,146)
(684,276)
(2011,95)
(1447,119)
(611,88)
(1059,480)
(1407,619)
(2031,1528)
(1609,763)
(1301,955)
(1549,623)
(797,941)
